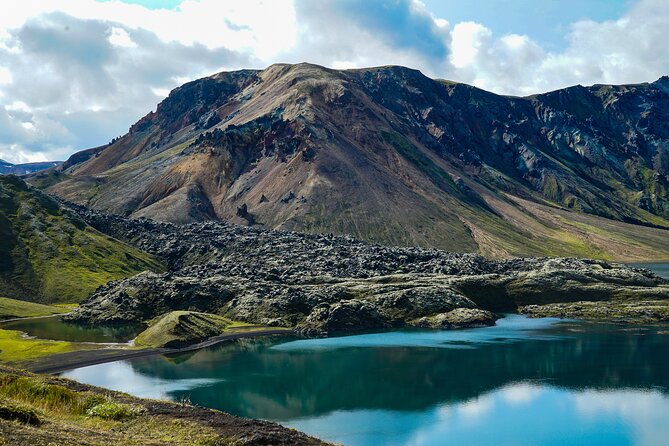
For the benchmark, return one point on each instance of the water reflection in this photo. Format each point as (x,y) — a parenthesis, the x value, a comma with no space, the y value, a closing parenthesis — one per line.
(516,414)
(591,381)
(56,328)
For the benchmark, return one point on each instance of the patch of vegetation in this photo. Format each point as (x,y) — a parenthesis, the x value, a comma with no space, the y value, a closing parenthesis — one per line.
(36,393)
(22,414)
(438,176)
(179,328)
(43,180)
(110,410)
(51,255)
(635,312)
(63,412)
(12,308)
(14,347)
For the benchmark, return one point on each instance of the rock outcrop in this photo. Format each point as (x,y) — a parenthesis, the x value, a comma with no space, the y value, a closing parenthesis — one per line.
(325,283)
(180,328)
(458,318)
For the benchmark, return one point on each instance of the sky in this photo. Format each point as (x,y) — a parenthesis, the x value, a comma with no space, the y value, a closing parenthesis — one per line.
(76,73)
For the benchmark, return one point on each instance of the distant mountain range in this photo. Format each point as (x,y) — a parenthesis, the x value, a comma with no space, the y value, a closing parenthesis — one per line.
(390,155)
(24,169)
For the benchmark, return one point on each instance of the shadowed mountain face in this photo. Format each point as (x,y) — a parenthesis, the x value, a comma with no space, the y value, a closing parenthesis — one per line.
(389,155)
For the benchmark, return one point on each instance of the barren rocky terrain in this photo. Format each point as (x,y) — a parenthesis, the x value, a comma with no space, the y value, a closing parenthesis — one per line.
(326,283)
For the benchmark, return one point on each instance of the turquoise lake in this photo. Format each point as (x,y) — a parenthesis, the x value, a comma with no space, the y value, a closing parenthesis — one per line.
(522,382)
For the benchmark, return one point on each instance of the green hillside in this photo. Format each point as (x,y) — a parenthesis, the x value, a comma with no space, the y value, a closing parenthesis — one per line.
(48,255)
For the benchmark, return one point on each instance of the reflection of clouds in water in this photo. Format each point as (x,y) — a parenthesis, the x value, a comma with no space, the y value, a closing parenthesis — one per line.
(475,408)
(521,393)
(509,329)
(647,412)
(123,377)
(511,415)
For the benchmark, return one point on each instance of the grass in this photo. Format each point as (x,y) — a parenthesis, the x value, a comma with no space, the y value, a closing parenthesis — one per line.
(111,410)
(45,397)
(45,410)
(180,328)
(410,152)
(15,347)
(12,308)
(51,255)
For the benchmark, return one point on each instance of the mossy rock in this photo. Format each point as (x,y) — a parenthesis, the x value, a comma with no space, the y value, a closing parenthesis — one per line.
(180,328)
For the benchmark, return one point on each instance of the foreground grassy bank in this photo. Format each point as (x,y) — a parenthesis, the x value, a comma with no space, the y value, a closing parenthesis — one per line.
(15,347)
(40,410)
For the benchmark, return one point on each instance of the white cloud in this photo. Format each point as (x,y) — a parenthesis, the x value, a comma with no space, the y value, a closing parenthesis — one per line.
(63,60)
(120,37)
(627,50)
(468,38)
(5,76)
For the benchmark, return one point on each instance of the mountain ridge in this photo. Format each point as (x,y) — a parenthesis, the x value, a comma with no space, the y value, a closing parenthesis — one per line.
(390,155)
(7,168)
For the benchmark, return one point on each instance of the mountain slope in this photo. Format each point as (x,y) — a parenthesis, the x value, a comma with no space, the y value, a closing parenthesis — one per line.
(48,254)
(389,155)
(7,168)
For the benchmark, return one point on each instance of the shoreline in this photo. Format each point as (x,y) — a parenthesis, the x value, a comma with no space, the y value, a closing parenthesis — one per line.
(83,358)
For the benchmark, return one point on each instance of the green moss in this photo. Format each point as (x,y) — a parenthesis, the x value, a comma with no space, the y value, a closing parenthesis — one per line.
(635,312)
(181,328)
(12,308)
(51,255)
(15,347)
(438,176)
(552,189)
(178,328)
(47,179)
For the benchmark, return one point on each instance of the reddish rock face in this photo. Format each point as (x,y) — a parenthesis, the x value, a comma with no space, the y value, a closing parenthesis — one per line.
(392,156)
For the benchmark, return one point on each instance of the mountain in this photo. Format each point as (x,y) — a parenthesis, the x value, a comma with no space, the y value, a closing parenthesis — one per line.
(392,156)
(49,254)
(24,169)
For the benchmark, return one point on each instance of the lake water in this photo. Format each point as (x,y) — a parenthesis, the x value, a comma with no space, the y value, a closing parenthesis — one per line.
(659,268)
(56,328)
(522,382)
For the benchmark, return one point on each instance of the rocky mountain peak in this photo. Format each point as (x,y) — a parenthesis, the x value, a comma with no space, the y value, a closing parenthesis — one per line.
(376,152)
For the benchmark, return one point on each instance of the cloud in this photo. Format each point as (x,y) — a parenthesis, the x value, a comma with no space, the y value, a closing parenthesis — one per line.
(80,82)
(75,74)
(353,33)
(627,50)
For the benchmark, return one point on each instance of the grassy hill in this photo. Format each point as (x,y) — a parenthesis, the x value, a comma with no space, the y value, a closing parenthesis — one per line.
(48,255)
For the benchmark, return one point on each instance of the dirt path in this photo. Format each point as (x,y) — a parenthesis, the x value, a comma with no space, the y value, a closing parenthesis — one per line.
(82,358)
